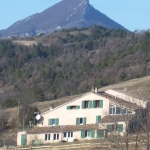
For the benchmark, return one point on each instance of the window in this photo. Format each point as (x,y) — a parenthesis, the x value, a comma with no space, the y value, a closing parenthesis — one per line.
(73,107)
(88,134)
(65,134)
(68,134)
(86,104)
(123,111)
(92,104)
(113,110)
(53,122)
(47,137)
(98,118)
(56,137)
(112,128)
(115,128)
(118,110)
(80,121)
(98,104)
(100,134)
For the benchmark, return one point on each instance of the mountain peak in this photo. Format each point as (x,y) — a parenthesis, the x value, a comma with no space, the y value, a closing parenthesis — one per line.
(65,14)
(78,1)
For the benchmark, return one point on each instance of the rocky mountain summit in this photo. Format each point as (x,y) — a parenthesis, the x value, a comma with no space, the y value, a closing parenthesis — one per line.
(65,14)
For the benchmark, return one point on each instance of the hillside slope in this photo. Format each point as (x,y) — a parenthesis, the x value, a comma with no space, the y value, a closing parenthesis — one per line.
(131,87)
(70,62)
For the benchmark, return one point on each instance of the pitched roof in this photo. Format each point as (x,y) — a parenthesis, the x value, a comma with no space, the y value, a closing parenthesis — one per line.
(141,94)
(117,118)
(120,102)
(72,100)
(64,128)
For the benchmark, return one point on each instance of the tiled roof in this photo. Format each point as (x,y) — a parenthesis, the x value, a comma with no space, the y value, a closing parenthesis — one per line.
(71,100)
(62,128)
(120,102)
(142,94)
(117,118)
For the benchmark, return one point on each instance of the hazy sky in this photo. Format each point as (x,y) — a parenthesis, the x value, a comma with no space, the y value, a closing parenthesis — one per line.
(132,14)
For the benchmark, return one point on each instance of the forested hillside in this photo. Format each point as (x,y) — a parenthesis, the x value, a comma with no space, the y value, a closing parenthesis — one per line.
(69,62)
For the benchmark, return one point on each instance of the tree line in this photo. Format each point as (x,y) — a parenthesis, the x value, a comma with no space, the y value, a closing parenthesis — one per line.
(71,61)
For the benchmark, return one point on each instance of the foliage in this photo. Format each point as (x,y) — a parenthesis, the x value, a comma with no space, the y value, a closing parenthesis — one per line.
(9,103)
(3,120)
(71,61)
(27,114)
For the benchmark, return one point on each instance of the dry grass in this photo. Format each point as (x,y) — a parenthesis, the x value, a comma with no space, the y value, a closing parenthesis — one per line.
(131,84)
(10,113)
(26,43)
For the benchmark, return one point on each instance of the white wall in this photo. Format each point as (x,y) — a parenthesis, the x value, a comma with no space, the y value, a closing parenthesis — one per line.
(68,117)
(19,137)
(41,136)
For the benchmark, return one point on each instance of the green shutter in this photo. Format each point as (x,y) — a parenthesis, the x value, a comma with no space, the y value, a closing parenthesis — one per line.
(57,121)
(49,122)
(84,121)
(77,121)
(68,107)
(94,104)
(101,103)
(90,104)
(109,128)
(82,104)
(92,133)
(77,107)
(82,134)
(100,133)
(120,127)
(98,118)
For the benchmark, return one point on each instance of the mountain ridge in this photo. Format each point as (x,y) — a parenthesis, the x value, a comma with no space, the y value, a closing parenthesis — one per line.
(64,14)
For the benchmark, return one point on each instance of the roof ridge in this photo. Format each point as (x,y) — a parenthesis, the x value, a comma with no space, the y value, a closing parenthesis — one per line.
(66,103)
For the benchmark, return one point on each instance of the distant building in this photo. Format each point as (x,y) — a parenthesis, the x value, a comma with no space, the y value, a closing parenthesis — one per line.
(93,115)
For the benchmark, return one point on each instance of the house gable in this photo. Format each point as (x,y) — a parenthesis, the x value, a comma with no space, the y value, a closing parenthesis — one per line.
(88,107)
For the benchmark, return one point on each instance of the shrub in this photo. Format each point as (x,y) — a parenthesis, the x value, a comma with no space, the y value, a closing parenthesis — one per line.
(9,103)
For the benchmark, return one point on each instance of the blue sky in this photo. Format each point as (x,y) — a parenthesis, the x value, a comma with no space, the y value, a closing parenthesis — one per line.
(132,14)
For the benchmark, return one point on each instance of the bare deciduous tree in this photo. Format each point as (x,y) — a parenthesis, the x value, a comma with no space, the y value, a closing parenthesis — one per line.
(26,112)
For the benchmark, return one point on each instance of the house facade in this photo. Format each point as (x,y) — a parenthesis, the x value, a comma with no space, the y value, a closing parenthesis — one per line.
(82,118)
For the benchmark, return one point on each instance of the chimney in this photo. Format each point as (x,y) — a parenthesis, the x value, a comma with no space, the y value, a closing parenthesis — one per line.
(93,90)
(125,89)
(96,90)
(51,107)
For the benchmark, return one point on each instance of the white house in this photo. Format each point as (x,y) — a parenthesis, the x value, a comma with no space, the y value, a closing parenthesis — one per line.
(93,115)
